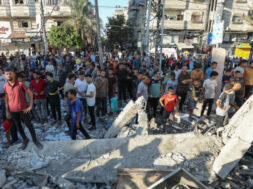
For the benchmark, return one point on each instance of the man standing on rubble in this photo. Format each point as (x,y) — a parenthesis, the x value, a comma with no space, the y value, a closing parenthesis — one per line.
(17,108)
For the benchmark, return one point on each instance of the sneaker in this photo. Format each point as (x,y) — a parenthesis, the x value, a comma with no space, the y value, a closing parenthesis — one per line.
(38,145)
(24,144)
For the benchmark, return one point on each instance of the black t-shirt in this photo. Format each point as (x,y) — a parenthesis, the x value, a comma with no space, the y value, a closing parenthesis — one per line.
(111,83)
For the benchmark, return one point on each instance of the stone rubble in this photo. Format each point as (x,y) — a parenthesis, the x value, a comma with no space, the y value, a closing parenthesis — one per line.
(28,172)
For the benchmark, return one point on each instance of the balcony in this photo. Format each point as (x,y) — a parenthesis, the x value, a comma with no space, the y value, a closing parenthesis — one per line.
(23,11)
(182,25)
(240,27)
(183,4)
(5,11)
(57,11)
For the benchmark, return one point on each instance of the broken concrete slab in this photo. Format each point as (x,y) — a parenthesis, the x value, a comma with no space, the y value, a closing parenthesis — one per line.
(142,127)
(63,183)
(89,160)
(126,115)
(2,177)
(236,121)
(237,145)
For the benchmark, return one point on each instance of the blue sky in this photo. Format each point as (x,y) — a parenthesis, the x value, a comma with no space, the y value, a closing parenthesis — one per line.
(106,7)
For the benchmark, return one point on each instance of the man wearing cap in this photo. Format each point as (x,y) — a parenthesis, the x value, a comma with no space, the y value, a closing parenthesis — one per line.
(17,108)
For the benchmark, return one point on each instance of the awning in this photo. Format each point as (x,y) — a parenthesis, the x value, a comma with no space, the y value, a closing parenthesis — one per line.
(244,46)
(181,46)
(17,35)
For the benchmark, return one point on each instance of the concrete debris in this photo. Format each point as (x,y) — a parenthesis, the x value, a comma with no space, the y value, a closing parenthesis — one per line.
(237,145)
(65,184)
(2,177)
(126,115)
(10,184)
(142,127)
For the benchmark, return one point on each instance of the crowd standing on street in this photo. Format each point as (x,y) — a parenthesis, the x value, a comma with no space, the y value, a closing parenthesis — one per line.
(34,88)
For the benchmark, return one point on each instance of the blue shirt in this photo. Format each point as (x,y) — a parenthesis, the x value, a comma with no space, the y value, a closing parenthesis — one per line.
(208,72)
(137,64)
(33,64)
(75,108)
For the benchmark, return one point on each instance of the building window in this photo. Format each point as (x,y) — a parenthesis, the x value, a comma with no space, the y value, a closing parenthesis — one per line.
(23,24)
(19,2)
(237,19)
(59,23)
(197,18)
(52,2)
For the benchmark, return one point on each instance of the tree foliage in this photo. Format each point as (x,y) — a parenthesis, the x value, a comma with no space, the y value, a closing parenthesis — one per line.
(117,31)
(64,37)
(83,19)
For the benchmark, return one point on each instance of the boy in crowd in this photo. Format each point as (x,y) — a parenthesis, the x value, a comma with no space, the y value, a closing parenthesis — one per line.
(76,112)
(209,90)
(223,105)
(210,70)
(195,94)
(239,89)
(168,102)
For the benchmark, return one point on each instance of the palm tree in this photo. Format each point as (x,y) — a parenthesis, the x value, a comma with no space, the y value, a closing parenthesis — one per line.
(83,18)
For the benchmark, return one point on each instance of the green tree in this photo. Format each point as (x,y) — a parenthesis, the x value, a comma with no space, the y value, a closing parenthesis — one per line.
(83,18)
(116,31)
(64,36)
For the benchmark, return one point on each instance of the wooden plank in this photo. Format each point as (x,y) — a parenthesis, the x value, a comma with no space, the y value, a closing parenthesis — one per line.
(136,178)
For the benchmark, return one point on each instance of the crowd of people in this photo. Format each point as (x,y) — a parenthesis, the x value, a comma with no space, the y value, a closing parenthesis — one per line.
(35,87)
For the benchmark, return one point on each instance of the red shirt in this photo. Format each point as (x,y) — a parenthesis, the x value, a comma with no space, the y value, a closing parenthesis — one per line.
(169,102)
(16,96)
(38,87)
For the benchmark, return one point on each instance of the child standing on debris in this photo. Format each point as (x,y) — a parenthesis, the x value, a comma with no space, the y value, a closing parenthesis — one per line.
(76,112)
(168,102)
(223,105)
(194,95)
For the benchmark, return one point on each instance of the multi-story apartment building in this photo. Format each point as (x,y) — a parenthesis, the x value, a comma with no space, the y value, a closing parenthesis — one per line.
(187,23)
(20,23)
(238,31)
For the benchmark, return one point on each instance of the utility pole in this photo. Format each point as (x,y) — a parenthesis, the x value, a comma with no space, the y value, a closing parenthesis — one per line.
(43,27)
(146,45)
(159,34)
(161,41)
(99,36)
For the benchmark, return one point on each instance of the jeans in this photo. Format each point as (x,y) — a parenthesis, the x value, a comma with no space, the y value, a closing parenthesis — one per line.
(122,91)
(84,102)
(41,105)
(153,102)
(210,105)
(101,106)
(55,105)
(219,121)
(17,117)
(74,131)
(92,115)
(182,95)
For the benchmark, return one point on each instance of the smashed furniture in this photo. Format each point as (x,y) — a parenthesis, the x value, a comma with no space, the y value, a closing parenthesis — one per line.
(179,178)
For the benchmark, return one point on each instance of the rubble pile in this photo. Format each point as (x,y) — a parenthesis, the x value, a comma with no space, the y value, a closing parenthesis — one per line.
(221,158)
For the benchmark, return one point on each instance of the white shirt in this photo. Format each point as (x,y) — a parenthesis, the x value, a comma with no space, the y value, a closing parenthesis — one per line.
(91,100)
(81,87)
(50,68)
(210,86)
(3,80)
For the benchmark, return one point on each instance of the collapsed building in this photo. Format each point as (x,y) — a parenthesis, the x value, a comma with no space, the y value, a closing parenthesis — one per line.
(129,156)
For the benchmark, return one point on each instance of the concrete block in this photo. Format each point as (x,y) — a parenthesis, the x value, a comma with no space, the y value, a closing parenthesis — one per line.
(2,177)
(126,115)
(65,184)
